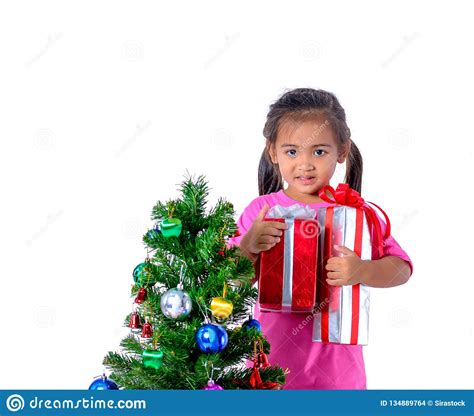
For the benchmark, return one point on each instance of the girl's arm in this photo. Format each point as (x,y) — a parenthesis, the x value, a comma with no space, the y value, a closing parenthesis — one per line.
(244,248)
(386,272)
(245,251)
(350,269)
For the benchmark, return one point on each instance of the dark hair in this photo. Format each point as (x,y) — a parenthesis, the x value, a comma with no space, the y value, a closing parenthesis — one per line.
(299,104)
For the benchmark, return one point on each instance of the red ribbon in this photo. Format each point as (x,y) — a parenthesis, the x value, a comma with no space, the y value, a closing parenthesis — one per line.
(255,382)
(346,196)
(343,195)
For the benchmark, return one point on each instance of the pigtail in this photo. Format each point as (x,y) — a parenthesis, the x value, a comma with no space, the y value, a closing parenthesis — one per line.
(354,167)
(269,178)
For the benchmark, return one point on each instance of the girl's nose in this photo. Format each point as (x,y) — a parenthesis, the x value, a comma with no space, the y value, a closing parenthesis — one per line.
(306,162)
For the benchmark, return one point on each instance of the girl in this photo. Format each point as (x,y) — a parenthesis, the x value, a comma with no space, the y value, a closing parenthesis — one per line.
(306,136)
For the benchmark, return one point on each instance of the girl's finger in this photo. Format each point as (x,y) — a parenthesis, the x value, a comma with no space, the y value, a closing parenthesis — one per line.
(272,231)
(344,250)
(335,282)
(276,224)
(261,215)
(334,275)
(268,239)
(265,247)
(332,267)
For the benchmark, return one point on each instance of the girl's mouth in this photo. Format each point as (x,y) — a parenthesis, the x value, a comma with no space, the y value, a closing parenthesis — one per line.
(305,180)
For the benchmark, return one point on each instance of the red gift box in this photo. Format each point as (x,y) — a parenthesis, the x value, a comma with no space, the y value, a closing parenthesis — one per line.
(287,272)
(342,313)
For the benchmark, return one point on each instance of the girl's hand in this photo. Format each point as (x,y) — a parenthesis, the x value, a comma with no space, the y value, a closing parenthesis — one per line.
(346,270)
(262,235)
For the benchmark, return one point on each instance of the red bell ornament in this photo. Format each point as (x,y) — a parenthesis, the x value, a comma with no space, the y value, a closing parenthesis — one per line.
(147,331)
(141,295)
(262,360)
(135,325)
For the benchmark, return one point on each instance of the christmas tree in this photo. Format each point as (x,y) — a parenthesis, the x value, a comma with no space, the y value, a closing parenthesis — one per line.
(190,326)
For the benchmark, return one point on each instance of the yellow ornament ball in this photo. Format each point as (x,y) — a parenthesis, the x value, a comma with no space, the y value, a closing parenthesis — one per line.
(221,308)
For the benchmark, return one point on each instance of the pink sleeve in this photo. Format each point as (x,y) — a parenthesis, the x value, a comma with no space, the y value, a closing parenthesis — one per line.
(392,248)
(245,221)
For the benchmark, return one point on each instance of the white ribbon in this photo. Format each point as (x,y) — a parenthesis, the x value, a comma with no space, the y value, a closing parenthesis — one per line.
(293,211)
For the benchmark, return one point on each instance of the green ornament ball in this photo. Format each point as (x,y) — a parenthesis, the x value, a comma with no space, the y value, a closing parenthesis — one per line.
(171,227)
(145,274)
(152,358)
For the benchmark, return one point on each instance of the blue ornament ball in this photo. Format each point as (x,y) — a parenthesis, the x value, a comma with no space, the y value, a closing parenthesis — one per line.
(211,338)
(103,383)
(252,323)
(153,234)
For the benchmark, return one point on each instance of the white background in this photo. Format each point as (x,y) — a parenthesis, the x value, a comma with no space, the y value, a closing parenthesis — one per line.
(104,105)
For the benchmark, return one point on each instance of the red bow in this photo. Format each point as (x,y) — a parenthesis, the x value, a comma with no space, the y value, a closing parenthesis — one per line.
(344,195)
(256,382)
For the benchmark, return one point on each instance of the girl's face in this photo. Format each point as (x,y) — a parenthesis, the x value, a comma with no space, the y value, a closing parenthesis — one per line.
(306,153)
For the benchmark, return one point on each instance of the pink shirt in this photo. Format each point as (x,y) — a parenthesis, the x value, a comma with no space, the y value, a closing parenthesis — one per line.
(312,365)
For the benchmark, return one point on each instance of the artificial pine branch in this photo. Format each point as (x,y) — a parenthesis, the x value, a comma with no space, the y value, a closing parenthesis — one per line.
(209,266)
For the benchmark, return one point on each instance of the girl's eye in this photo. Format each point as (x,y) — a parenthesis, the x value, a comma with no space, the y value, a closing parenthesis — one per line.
(318,152)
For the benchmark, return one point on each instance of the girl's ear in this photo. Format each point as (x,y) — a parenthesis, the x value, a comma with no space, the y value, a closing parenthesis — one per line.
(272,152)
(346,148)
